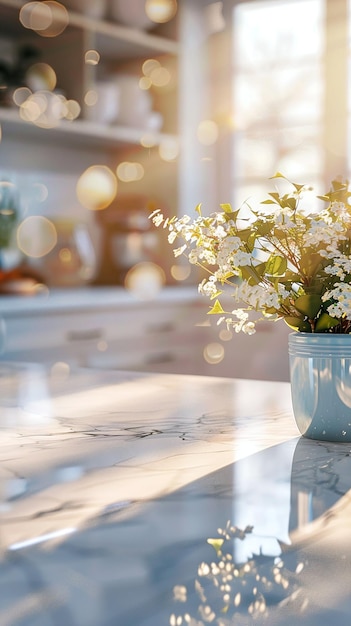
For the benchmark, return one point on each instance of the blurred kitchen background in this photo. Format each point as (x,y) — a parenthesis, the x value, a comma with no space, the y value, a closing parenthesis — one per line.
(110,109)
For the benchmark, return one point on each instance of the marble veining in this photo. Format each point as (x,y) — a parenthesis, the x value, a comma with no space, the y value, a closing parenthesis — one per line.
(133,499)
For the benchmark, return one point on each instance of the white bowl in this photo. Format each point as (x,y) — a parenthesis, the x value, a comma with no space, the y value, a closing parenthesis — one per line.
(106,108)
(135,104)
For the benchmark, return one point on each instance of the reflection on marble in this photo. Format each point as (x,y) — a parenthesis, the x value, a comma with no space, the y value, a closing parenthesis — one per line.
(112,483)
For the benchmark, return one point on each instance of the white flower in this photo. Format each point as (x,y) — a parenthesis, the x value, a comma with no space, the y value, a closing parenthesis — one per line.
(249,328)
(157,218)
(267,260)
(208,287)
(172,236)
(342,296)
(179,251)
(339,209)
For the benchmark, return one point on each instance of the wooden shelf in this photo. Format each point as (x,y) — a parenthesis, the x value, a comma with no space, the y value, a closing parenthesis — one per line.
(113,40)
(78,132)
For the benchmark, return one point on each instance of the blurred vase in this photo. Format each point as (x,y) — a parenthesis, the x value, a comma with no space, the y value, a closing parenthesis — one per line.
(135,104)
(320,375)
(72,262)
(106,108)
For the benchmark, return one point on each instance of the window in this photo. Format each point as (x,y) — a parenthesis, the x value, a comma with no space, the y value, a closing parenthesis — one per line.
(289,64)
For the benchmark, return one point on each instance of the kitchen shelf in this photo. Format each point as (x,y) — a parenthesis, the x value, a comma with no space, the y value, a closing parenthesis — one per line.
(113,39)
(115,43)
(78,132)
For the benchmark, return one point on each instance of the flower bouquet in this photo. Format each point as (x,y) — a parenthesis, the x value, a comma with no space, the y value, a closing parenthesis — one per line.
(281,261)
(276,261)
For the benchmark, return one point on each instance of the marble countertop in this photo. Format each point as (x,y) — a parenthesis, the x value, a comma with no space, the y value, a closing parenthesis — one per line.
(132,499)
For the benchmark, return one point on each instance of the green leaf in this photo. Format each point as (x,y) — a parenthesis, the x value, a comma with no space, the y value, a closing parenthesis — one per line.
(244,234)
(276,265)
(216,544)
(308,305)
(291,277)
(275,195)
(198,208)
(250,274)
(269,311)
(227,208)
(297,323)
(263,228)
(277,175)
(291,202)
(310,263)
(217,308)
(298,187)
(325,322)
(215,295)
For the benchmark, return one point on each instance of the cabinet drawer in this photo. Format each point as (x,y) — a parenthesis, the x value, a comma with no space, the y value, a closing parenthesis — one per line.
(129,325)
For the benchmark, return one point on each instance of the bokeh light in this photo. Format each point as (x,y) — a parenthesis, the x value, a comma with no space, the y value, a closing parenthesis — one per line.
(71,109)
(97,187)
(36,236)
(35,16)
(91,97)
(154,74)
(145,83)
(129,172)
(148,140)
(47,18)
(169,149)
(44,109)
(180,272)
(102,345)
(40,192)
(92,57)
(160,76)
(213,353)
(60,370)
(160,11)
(225,334)
(149,65)
(20,95)
(207,132)
(41,76)
(145,280)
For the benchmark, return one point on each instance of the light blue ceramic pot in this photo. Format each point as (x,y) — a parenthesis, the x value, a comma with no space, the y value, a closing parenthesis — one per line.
(320,375)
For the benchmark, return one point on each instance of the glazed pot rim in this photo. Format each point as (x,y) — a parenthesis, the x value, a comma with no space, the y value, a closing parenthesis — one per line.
(319,344)
(314,337)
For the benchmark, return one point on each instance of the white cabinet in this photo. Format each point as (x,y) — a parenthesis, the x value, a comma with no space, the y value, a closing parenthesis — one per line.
(112,331)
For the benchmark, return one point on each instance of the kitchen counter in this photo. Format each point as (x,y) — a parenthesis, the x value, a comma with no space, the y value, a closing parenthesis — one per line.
(83,298)
(152,499)
(110,328)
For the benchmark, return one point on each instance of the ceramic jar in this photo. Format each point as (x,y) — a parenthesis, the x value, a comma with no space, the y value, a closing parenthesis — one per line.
(320,376)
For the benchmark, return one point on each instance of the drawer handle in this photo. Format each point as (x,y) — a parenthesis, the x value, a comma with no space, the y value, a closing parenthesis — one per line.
(166,327)
(154,359)
(84,335)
